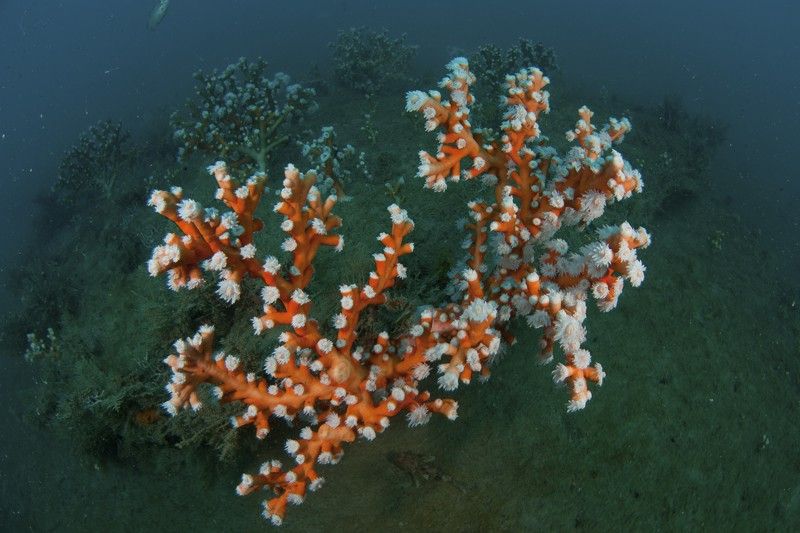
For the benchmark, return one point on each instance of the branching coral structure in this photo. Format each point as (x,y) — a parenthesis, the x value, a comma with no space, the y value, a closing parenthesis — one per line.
(337,386)
(367,61)
(91,168)
(240,114)
(334,164)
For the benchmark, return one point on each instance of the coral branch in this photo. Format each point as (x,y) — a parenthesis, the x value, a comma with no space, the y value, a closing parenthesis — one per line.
(535,192)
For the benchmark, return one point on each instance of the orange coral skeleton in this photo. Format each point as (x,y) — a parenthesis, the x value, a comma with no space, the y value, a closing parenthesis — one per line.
(342,389)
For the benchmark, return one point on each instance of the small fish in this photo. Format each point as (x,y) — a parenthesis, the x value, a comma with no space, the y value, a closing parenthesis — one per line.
(157,15)
(420,468)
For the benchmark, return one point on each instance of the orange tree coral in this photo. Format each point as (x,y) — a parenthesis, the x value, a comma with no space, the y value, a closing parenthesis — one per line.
(337,386)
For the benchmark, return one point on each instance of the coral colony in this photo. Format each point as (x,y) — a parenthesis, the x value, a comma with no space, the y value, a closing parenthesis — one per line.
(332,385)
(90,169)
(368,61)
(240,114)
(333,164)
